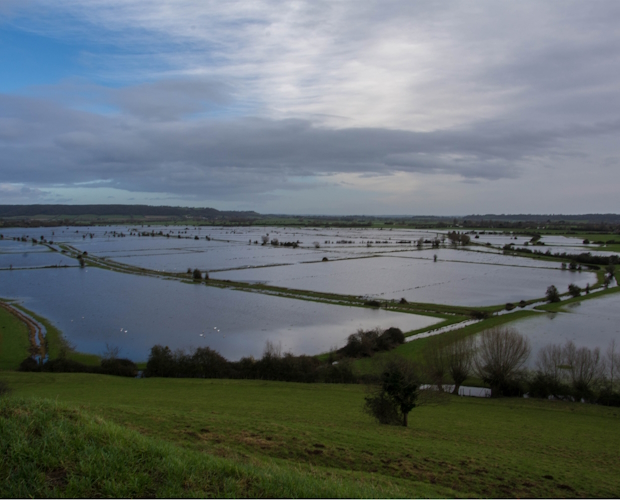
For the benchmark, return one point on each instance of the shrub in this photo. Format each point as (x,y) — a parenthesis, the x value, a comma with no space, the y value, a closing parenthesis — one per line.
(574,290)
(339,373)
(4,389)
(608,398)
(120,367)
(197,275)
(64,365)
(479,314)
(396,394)
(160,362)
(209,363)
(29,365)
(552,294)
(382,408)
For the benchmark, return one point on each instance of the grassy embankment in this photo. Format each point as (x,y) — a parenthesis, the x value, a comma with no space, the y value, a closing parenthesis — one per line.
(14,341)
(51,450)
(467,446)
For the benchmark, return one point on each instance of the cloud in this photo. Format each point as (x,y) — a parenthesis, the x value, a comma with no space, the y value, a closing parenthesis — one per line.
(236,100)
(52,144)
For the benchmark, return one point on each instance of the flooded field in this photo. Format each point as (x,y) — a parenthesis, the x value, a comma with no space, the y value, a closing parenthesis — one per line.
(93,307)
(444,282)
(591,323)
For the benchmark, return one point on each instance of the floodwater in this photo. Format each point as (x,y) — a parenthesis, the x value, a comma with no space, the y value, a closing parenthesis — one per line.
(590,323)
(93,307)
(443,282)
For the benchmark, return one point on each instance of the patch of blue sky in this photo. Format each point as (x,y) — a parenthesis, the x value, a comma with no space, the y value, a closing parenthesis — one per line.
(30,59)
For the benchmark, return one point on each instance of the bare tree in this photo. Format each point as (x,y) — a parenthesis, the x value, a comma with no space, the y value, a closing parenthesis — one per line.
(459,360)
(111,351)
(502,352)
(613,362)
(550,362)
(585,367)
(435,364)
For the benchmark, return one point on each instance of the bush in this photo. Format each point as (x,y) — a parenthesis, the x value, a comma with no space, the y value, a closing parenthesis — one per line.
(29,365)
(365,343)
(339,373)
(608,398)
(5,390)
(160,363)
(552,294)
(397,393)
(64,365)
(197,275)
(120,367)
(383,409)
(544,385)
(479,314)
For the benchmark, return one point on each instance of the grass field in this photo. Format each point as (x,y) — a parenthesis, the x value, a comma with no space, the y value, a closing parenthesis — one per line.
(14,341)
(466,446)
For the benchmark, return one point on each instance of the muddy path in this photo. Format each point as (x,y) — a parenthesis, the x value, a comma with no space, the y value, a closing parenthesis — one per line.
(36,336)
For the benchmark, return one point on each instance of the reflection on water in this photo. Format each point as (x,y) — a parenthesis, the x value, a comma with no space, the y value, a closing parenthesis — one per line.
(416,280)
(94,307)
(591,323)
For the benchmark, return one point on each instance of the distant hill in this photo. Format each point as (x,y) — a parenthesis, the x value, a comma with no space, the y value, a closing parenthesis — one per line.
(118,210)
(593,218)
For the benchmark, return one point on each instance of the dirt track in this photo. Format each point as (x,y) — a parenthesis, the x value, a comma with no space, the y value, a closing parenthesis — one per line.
(34,330)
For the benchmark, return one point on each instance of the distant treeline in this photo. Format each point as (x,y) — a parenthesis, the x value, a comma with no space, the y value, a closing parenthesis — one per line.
(595,218)
(116,210)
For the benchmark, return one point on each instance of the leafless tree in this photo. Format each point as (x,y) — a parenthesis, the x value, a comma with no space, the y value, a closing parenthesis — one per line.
(613,362)
(502,352)
(111,351)
(550,362)
(459,357)
(435,364)
(584,366)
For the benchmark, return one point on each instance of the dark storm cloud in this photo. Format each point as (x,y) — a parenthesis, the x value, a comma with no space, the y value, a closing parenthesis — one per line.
(42,143)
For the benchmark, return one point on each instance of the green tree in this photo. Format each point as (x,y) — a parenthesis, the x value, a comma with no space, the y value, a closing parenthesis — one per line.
(552,294)
(396,394)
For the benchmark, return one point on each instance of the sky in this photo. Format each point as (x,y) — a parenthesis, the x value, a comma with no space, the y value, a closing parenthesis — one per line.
(319,107)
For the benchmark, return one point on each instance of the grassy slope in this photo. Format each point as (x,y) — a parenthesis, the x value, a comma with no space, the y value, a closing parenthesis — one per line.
(52,450)
(14,341)
(479,447)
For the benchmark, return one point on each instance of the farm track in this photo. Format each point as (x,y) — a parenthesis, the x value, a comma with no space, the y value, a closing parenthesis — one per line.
(35,332)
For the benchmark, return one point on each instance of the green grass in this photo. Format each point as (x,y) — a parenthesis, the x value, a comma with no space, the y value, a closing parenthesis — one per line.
(467,447)
(414,350)
(51,450)
(14,342)
(17,351)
